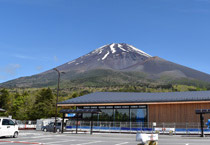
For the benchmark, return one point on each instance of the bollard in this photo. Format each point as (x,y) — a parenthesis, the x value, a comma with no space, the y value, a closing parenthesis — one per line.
(171,133)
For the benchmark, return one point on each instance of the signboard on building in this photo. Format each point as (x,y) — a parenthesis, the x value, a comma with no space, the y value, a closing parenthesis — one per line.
(70,115)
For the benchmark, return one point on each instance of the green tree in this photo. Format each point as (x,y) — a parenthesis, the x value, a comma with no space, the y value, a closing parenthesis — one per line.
(44,105)
(4,99)
(19,109)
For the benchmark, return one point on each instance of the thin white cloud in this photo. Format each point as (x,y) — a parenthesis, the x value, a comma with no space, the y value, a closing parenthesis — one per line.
(20,56)
(24,57)
(8,71)
(39,68)
(55,58)
(11,69)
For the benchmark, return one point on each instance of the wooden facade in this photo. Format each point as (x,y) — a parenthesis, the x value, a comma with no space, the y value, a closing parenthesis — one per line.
(179,112)
(167,112)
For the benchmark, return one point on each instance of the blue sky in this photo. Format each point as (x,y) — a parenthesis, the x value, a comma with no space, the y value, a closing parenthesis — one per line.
(37,35)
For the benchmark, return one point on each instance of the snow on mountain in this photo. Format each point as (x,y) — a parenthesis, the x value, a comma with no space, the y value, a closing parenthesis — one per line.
(120,47)
(117,47)
(139,51)
(115,56)
(105,55)
(112,48)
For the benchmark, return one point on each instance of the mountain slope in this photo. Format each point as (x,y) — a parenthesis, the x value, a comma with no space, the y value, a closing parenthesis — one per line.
(113,64)
(160,67)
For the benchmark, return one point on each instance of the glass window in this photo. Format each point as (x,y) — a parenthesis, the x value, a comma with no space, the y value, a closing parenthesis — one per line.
(58,124)
(51,123)
(11,122)
(109,107)
(86,116)
(138,115)
(121,115)
(118,113)
(134,106)
(106,115)
(5,122)
(127,107)
(142,107)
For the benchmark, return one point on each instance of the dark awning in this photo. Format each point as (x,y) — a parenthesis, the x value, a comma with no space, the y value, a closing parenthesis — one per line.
(81,111)
(2,110)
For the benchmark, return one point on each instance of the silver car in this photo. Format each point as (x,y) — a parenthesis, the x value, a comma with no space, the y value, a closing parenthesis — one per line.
(50,127)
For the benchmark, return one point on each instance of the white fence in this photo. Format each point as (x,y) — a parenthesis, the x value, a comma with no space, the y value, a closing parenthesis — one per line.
(126,127)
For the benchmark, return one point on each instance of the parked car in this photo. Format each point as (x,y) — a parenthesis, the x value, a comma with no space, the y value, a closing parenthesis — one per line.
(50,127)
(8,127)
(42,128)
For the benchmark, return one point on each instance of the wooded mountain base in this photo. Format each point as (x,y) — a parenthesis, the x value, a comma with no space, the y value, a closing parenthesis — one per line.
(36,103)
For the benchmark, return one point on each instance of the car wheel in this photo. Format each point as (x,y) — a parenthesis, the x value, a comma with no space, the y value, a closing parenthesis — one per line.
(15,135)
(45,130)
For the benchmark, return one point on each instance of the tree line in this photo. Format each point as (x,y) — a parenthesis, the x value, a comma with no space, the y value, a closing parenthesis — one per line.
(32,104)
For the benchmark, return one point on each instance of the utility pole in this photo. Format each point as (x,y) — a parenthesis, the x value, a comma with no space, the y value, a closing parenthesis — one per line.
(56,112)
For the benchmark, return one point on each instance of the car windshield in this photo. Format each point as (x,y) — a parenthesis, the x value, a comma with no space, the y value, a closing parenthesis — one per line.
(51,123)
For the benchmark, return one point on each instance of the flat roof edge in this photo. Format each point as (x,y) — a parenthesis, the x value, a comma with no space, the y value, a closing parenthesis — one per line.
(142,103)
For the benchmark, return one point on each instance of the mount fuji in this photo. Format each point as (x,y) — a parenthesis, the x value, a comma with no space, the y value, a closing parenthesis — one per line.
(112,64)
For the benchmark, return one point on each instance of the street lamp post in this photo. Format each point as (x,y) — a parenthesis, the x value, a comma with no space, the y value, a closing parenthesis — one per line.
(59,74)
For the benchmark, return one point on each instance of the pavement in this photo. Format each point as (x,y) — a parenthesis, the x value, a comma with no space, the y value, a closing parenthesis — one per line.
(49,138)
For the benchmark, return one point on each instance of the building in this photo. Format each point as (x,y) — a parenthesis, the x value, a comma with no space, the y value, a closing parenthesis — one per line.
(170,107)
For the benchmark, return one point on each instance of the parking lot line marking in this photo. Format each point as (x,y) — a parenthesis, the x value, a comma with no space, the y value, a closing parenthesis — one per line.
(42,136)
(20,142)
(58,141)
(88,143)
(122,143)
(39,139)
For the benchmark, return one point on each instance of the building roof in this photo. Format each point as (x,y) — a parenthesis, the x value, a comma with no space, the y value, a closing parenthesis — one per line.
(133,97)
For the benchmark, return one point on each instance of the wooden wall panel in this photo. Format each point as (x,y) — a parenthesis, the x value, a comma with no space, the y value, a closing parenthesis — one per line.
(176,112)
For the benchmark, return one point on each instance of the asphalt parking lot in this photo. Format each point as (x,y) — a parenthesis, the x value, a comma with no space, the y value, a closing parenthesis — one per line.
(38,137)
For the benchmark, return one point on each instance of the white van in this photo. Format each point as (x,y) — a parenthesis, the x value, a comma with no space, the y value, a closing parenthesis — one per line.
(8,127)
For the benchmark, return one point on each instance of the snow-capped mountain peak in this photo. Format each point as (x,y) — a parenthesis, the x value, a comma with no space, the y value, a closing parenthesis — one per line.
(119,48)
(114,56)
